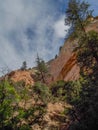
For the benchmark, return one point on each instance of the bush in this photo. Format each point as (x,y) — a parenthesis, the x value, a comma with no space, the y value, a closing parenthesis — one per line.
(25,127)
(42,91)
(57,88)
(8,96)
(73,89)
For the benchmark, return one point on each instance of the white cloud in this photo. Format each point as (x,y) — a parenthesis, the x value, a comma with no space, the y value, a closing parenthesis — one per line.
(60,28)
(16,16)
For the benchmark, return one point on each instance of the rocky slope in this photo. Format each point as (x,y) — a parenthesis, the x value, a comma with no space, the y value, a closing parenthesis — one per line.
(20,75)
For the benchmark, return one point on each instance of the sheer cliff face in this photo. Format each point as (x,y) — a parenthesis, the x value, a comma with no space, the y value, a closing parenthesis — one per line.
(65,67)
(70,70)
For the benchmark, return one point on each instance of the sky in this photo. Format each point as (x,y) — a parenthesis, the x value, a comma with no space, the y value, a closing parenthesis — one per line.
(28,27)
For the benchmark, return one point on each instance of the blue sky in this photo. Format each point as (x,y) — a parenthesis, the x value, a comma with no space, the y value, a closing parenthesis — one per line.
(28,27)
(94,5)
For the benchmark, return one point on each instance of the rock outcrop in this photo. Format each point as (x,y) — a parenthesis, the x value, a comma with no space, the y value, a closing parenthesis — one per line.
(20,75)
(65,67)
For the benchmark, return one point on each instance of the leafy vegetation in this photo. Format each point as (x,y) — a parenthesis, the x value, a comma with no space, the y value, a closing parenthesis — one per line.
(84,113)
(42,70)
(16,113)
(24,65)
(77,14)
(42,92)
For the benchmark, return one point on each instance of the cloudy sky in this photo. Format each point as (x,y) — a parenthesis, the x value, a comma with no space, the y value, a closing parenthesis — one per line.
(28,27)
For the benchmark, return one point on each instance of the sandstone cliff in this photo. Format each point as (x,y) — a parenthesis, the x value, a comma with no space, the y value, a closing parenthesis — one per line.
(65,67)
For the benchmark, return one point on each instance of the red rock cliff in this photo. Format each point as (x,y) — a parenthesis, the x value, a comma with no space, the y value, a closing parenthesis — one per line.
(64,67)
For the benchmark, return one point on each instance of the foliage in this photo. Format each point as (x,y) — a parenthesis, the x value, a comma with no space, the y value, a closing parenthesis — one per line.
(77,13)
(88,52)
(8,96)
(15,113)
(73,89)
(66,91)
(42,70)
(25,127)
(42,91)
(24,65)
(88,61)
(84,113)
(57,89)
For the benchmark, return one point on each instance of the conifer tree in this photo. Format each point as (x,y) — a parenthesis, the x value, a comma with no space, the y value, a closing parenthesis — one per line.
(24,65)
(76,15)
(42,70)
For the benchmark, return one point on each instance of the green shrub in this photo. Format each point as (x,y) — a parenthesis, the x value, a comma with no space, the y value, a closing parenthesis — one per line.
(25,127)
(42,91)
(57,88)
(8,96)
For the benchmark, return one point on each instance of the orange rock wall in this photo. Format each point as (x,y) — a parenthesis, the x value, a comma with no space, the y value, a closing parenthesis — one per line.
(64,67)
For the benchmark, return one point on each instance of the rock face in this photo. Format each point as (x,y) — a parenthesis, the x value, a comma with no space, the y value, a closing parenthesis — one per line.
(65,67)
(70,71)
(20,75)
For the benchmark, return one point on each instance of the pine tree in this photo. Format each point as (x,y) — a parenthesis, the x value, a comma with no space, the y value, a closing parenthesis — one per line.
(77,13)
(42,70)
(24,65)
